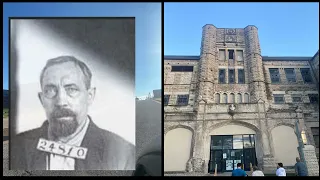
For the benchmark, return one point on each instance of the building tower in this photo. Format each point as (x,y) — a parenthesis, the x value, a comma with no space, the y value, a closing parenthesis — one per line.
(207,66)
(257,86)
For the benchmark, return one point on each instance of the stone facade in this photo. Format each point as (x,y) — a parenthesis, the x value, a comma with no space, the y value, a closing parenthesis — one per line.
(205,111)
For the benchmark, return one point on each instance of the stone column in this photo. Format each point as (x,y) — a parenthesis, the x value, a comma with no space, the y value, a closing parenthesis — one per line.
(311,160)
(253,57)
(198,148)
(309,151)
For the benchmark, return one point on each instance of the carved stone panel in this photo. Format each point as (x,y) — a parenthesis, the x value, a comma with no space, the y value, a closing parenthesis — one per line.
(231,32)
(231,38)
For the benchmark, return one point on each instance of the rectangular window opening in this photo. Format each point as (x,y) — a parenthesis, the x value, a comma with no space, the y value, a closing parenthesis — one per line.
(231,54)
(182,69)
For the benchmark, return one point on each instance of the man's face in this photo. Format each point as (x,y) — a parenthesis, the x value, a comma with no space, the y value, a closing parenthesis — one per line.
(65,98)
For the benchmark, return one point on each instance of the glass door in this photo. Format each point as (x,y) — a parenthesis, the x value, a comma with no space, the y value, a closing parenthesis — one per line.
(237,156)
(215,158)
(249,157)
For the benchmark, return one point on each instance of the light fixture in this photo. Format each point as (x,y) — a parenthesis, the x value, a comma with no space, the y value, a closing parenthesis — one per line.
(304,137)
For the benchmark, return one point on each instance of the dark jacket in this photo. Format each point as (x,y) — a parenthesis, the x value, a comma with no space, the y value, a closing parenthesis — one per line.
(301,169)
(106,150)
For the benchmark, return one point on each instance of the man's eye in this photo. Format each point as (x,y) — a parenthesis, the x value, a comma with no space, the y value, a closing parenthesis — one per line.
(50,92)
(71,90)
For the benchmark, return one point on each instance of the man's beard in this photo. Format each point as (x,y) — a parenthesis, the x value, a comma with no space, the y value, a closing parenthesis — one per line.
(62,128)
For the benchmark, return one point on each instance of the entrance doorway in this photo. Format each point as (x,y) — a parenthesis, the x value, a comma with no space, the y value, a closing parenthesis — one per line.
(226,151)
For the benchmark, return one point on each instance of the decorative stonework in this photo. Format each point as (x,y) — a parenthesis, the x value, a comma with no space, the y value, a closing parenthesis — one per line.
(190,165)
(231,38)
(269,165)
(198,165)
(311,160)
(231,32)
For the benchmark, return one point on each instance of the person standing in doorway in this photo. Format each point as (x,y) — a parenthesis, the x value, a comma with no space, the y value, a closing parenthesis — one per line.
(239,171)
(280,170)
(301,168)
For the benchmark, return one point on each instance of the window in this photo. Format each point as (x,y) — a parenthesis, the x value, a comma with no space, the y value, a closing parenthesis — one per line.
(182,69)
(252,140)
(222,74)
(217,98)
(278,98)
(237,142)
(239,98)
(216,142)
(296,98)
(246,98)
(314,98)
(183,100)
(315,133)
(227,142)
(290,74)
(231,76)
(240,76)
(166,99)
(231,54)
(232,98)
(239,55)
(274,75)
(306,76)
(222,54)
(248,141)
(224,98)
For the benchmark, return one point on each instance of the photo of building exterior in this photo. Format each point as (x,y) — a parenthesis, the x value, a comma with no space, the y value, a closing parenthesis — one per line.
(231,104)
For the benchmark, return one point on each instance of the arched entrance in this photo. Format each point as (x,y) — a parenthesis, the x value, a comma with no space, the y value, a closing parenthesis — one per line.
(231,143)
(177,149)
(285,144)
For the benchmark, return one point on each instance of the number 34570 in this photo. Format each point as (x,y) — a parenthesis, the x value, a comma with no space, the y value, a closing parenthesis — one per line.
(62,149)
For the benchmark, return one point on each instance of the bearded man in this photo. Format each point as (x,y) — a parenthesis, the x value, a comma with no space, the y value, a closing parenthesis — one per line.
(69,139)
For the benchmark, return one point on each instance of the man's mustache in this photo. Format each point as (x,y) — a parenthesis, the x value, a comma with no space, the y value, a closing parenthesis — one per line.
(62,112)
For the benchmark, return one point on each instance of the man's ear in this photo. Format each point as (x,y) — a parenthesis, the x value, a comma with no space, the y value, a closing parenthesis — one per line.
(92,93)
(40,96)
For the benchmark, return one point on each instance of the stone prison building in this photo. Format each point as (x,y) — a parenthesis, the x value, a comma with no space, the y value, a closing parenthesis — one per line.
(231,105)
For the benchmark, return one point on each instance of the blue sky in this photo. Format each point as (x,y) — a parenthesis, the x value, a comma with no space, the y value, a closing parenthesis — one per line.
(148,22)
(285,29)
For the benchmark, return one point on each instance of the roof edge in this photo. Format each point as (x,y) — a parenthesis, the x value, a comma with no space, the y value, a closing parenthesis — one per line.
(265,58)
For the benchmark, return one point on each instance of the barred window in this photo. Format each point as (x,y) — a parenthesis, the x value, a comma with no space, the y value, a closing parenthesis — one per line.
(166,99)
(239,55)
(231,76)
(296,98)
(290,74)
(274,75)
(314,98)
(222,54)
(222,76)
(306,75)
(183,100)
(240,76)
(278,98)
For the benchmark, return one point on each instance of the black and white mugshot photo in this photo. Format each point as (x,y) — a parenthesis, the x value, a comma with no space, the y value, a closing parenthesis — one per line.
(72,101)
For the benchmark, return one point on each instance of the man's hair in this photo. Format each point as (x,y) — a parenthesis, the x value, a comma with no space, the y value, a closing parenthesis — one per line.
(239,165)
(63,59)
(280,164)
(297,159)
(255,168)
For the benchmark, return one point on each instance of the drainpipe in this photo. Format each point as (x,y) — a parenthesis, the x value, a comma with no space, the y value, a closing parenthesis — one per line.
(313,74)
(301,145)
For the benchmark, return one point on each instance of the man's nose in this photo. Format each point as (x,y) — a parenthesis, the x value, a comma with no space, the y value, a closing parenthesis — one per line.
(61,99)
